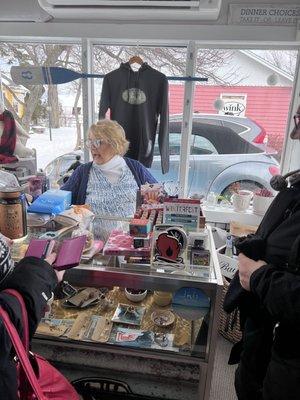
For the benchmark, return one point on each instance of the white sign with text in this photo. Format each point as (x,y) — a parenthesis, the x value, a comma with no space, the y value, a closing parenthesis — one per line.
(234,104)
(264,14)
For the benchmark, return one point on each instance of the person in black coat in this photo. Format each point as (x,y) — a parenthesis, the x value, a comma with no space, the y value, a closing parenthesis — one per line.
(35,280)
(267,292)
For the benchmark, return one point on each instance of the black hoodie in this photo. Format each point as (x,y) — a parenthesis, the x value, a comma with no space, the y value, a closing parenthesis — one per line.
(136,99)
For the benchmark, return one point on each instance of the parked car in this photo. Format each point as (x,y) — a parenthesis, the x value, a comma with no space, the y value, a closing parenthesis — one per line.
(219,157)
(243,126)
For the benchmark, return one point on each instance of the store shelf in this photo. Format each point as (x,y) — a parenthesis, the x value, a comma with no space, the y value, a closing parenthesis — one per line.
(224,215)
(189,361)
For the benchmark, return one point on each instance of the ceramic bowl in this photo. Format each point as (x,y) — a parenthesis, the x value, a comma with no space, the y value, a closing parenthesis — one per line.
(162,299)
(135,295)
(261,204)
(241,200)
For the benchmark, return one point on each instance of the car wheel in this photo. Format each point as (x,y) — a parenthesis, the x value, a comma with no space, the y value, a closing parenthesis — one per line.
(246,185)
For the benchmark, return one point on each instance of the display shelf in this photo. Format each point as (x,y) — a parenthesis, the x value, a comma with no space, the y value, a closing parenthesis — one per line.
(222,215)
(191,337)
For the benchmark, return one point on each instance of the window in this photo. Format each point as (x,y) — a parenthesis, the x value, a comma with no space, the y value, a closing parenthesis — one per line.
(235,126)
(49,113)
(202,146)
(249,117)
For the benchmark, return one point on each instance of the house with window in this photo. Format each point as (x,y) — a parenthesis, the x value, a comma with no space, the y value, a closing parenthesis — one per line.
(252,97)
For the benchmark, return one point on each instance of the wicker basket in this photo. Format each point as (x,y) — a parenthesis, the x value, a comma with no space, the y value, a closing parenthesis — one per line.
(229,326)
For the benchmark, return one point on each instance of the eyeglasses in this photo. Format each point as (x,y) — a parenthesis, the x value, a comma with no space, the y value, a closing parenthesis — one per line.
(297,120)
(93,143)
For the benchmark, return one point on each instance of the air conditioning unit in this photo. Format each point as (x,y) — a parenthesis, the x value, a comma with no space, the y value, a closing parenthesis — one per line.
(154,10)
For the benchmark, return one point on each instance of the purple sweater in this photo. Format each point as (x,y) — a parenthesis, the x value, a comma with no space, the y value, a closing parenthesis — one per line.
(77,183)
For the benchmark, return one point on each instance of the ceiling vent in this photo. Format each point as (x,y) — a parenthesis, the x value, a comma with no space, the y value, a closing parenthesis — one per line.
(22,11)
(154,10)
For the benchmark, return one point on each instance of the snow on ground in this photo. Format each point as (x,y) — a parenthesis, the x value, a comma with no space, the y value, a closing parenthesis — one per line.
(63,141)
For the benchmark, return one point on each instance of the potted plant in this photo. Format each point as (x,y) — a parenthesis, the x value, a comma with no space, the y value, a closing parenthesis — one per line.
(262,200)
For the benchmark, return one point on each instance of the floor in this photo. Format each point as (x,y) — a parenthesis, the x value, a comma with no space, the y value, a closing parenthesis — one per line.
(222,387)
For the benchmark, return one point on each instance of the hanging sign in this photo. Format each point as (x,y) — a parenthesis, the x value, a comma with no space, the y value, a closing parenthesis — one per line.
(234,104)
(264,14)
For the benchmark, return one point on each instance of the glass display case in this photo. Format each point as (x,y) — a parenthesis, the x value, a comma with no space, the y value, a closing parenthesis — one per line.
(149,326)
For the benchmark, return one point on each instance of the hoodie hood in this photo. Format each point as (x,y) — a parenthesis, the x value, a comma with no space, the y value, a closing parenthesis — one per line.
(127,66)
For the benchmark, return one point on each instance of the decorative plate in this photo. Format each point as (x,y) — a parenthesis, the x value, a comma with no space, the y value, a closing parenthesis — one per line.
(163,318)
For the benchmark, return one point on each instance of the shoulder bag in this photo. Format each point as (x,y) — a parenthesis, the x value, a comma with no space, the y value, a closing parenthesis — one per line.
(37,378)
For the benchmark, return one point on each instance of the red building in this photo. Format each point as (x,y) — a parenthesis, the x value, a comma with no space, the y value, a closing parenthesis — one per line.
(267,105)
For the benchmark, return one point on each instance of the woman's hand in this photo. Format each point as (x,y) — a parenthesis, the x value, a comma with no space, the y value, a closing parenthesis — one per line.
(50,260)
(246,267)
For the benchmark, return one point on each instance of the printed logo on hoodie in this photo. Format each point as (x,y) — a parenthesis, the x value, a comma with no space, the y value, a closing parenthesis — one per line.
(134,96)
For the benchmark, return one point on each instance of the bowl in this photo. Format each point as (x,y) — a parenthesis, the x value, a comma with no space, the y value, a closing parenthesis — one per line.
(162,299)
(135,295)
(261,204)
(162,318)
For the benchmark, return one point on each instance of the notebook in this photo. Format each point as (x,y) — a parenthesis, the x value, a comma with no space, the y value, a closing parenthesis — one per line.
(68,251)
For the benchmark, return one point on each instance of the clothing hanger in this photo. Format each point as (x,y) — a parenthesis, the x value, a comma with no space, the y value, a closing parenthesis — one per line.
(135,60)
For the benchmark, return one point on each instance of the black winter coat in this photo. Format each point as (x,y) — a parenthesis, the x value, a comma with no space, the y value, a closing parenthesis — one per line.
(269,353)
(35,280)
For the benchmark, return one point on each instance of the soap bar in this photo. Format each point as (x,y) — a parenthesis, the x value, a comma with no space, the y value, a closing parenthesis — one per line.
(52,202)
(141,242)
(139,227)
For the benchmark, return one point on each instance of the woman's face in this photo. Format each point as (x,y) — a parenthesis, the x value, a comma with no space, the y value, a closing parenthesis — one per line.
(101,151)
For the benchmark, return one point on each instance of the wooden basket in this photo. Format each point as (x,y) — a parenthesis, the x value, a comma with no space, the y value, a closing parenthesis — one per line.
(229,326)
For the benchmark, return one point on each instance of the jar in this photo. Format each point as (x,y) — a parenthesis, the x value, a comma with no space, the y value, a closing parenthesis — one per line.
(35,184)
(13,221)
(162,298)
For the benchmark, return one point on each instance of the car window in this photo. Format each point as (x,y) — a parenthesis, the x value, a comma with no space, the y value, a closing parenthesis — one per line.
(209,121)
(174,144)
(238,128)
(201,145)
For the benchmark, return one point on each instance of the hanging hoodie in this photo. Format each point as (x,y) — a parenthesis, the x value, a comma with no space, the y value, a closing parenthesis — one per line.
(136,99)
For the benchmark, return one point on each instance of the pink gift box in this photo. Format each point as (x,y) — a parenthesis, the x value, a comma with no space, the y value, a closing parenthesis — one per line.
(120,243)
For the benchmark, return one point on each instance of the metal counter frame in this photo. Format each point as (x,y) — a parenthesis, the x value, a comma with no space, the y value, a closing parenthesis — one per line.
(174,375)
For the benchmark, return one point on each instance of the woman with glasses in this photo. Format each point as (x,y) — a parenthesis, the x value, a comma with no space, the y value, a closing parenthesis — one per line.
(109,183)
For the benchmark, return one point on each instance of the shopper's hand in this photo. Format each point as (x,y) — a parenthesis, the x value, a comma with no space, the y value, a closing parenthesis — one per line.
(60,275)
(50,259)
(246,267)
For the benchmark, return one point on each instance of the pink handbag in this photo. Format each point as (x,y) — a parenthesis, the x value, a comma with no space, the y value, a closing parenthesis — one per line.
(37,378)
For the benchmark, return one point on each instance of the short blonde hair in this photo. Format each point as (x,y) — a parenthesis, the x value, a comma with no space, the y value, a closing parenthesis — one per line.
(112,133)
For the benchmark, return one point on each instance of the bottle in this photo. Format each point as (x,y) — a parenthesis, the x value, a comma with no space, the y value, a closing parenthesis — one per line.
(211,200)
(228,248)
(45,180)
(13,217)
(199,255)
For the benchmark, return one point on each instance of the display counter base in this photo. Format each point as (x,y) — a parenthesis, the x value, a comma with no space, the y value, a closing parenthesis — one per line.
(107,389)
(155,378)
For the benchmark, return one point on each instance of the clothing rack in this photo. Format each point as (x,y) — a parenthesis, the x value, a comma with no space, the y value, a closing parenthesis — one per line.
(187,78)
(170,78)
